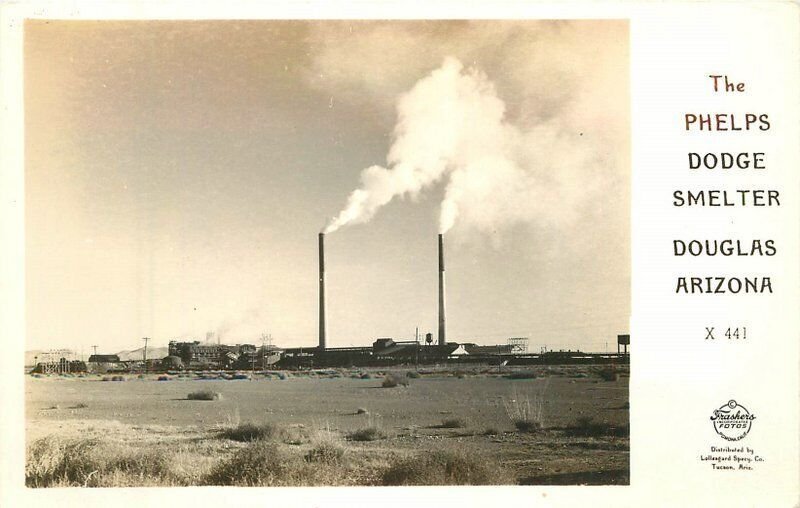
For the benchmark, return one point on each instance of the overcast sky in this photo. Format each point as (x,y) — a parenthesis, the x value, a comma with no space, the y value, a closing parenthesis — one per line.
(177,175)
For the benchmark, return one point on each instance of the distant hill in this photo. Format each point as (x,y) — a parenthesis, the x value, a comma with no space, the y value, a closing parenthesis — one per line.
(153,353)
(31,356)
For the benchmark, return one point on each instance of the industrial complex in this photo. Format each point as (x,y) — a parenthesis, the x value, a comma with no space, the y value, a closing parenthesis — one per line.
(196,355)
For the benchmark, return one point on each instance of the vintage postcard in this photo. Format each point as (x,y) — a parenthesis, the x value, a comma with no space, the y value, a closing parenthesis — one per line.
(303,254)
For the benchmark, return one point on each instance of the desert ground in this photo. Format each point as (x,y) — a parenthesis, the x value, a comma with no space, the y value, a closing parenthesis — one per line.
(556,425)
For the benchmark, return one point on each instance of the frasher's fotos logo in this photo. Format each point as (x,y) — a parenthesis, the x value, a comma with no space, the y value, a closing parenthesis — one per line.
(732,421)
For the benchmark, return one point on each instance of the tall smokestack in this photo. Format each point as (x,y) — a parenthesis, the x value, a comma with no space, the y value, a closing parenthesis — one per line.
(442,338)
(323,327)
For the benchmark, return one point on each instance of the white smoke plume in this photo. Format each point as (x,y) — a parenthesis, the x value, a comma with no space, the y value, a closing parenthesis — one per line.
(452,127)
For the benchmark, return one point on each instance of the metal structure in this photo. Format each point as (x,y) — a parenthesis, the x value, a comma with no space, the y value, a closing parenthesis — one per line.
(56,361)
(519,345)
(624,341)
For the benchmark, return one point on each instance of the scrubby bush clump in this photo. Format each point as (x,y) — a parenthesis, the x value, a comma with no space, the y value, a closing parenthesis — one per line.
(366,434)
(452,423)
(413,374)
(523,374)
(525,413)
(246,432)
(443,468)
(608,374)
(326,452)
(586,426)
(260,464)
(55,461)
(267,464)
(60,462)
(393,380)
(204,395)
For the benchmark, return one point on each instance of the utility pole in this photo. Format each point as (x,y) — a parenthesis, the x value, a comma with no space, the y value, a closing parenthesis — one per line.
(145,339)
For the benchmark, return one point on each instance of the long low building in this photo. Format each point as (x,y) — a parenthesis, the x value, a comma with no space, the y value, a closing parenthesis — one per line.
(384,351)
(197,355)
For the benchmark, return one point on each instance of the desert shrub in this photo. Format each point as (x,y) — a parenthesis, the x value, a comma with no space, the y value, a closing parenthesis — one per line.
(164,378)
(413,374)
(245,432)
(443,468)
(526,413)
(240,376)
(586,426)
(366,434)
(106,378)
(204,395)
(80,405)
(491,431)
(523,374)
(362,411)
(139,464)
(393,380)
(54,461)
(529,426)
(326,452)
(366,375)
(608,374)
(259,464)
(117,378)
(452,423)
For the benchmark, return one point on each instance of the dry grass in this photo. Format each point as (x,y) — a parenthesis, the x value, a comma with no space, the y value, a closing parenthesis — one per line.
(198,438)
(587,427)
(246,432)
(326,452)
(59,462)
(443,468)
(266,464)
(366,434)
(259,464)
(526,412)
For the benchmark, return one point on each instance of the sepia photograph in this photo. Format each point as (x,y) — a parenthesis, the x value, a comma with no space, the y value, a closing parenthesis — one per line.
(327,252)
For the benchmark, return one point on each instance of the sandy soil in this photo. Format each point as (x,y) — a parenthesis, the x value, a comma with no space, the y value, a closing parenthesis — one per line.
(408,415)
